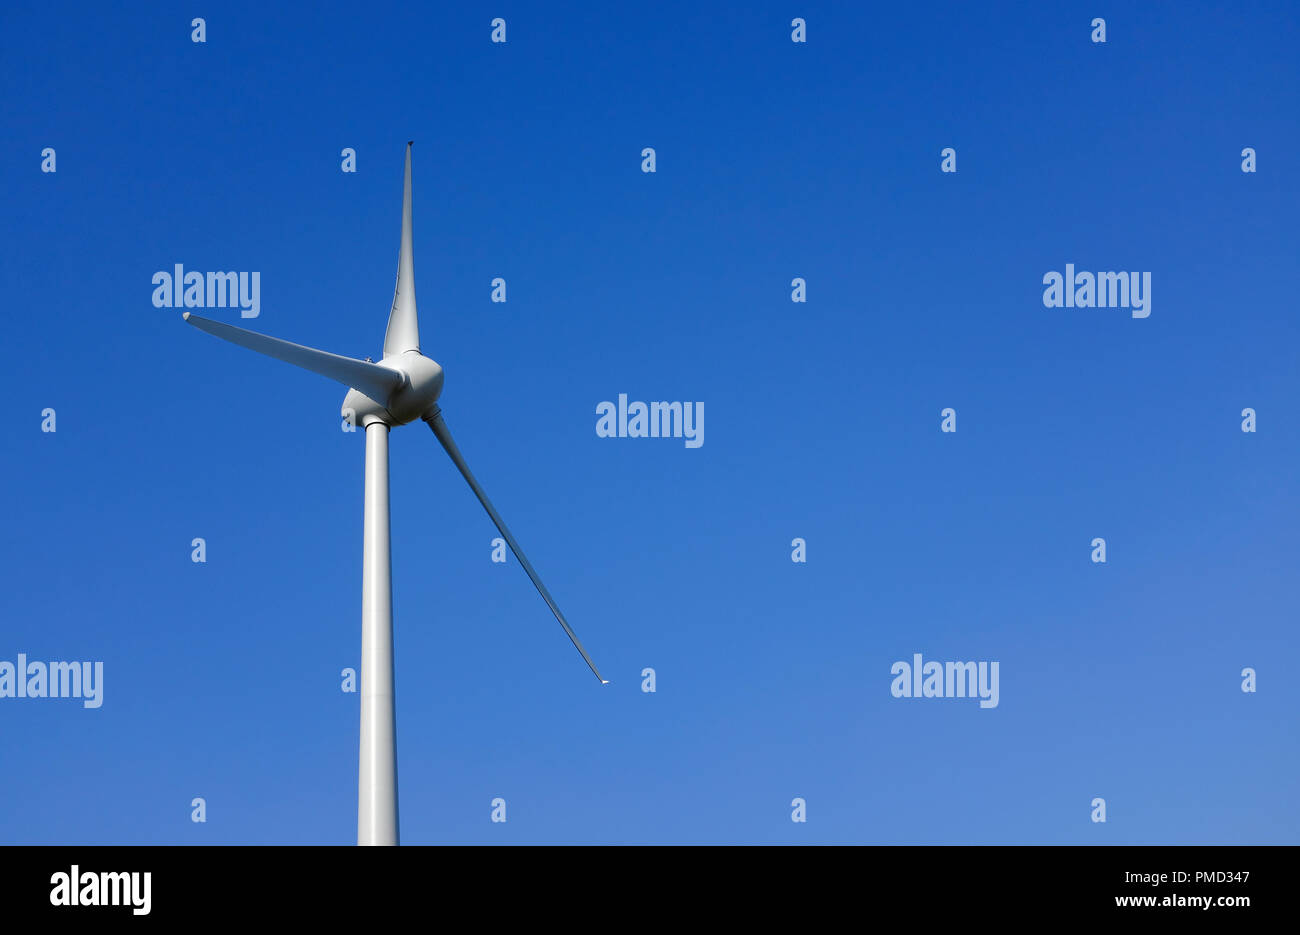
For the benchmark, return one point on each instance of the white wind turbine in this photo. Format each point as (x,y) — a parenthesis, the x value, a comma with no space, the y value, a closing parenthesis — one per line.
(402,387)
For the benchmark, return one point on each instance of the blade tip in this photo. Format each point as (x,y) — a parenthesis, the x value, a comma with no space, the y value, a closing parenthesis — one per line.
(185,316)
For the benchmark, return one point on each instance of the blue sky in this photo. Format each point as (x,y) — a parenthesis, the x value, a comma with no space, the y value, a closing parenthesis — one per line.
(775,160)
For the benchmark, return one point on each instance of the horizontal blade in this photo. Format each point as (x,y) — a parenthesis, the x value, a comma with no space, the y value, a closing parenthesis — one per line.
(375,381)
(440,429)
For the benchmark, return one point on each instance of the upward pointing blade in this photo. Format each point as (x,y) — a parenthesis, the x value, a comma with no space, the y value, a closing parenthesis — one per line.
(440,429)
(403,326)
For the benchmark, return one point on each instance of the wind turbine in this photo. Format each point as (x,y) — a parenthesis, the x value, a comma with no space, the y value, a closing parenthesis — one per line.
(402,387)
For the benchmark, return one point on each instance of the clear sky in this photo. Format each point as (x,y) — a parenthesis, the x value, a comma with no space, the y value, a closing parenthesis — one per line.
(774,160)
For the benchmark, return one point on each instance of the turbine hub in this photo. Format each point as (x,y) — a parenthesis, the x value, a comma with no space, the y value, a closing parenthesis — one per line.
(420,389)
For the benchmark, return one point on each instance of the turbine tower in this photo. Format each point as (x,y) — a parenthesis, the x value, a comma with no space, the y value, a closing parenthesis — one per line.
(400,388)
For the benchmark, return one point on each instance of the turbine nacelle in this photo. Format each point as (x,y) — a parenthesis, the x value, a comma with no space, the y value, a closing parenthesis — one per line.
(414,398)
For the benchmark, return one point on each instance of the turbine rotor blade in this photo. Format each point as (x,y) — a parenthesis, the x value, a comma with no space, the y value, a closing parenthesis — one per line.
(440,429)
(403,325)
(376,382)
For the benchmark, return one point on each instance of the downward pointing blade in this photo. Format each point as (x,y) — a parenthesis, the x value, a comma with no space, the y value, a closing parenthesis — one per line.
(403,326)
(376,382)
(440,429)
